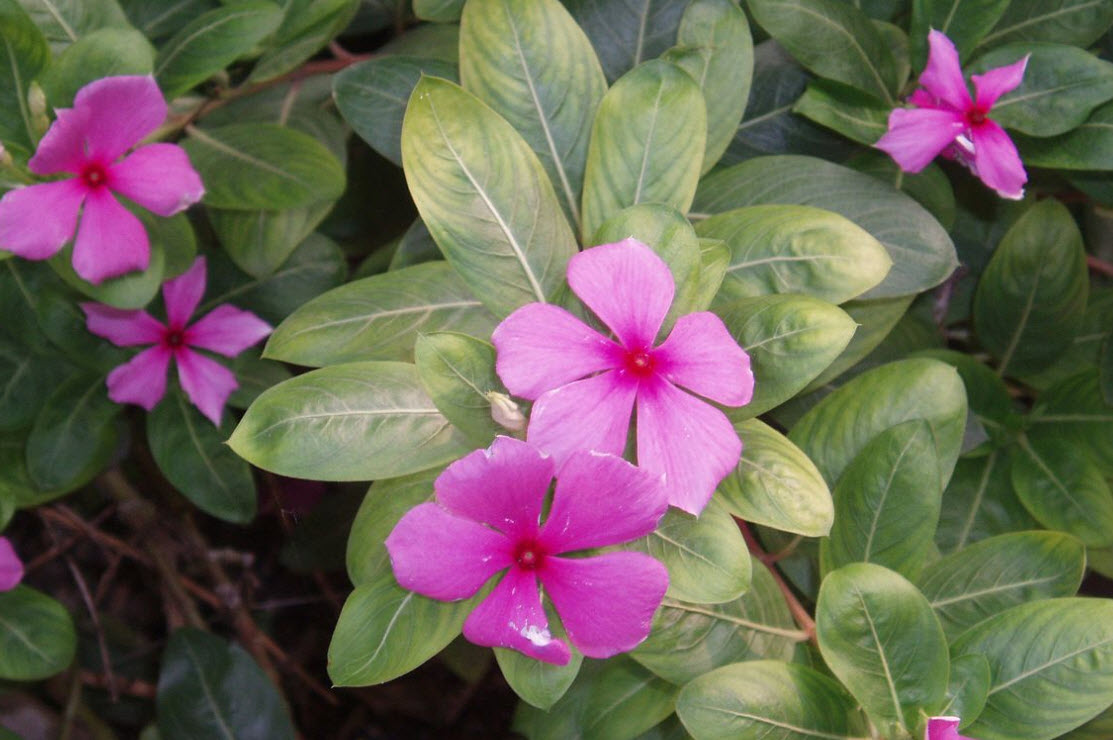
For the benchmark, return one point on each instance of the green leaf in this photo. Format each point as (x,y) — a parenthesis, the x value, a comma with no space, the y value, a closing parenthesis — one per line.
(921,251)
(968,687)
(796,249)
(706,556)
(25,56)
(532,64)
(1000,572)
(714,46)
(1105,370)
(308,27)
(879,636)
(766,699)
(385,503)
(836,430)
(37,637)
(260,241)
(1074,410)
(101,53)
(385,631)
(26,380)
(853,113)
(930,187)
(776,484)
(372,97)
(964,22)
(647,143)
(159,21)
(625,34)
(689,640)
(1052,667)
(438,11)
(74,435)
(790,339)
(458,371)
(212,41)
(714,261)
(986,394)
(379,318)
(979,502)
(537,683)
(834,40)
(376,421)
(249,166)
(887,502)
(16,487)
(191,453)
(876,319)
(210,688)
(1099,728)
(254,376)
(484,197)
(65,22)
(1074,22)
(1089,146)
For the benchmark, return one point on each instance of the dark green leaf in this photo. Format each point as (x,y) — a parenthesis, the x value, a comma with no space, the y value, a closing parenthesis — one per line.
(968,687)
(538,684)
(74,435)
(64,22)
(1087,147)
(458,371)
(385,503)
(853,113)
(101,53)
(37,637)
(979,502)
(1075,22)
(260,241)
(628,32)
(439,11)
(1074,410)
(964,22)
(308,27)
(26,55)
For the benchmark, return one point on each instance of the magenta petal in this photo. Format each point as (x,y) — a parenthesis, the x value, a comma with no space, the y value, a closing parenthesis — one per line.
(207,383)
(916,136)
(689,440)
(702,356)
(36,221)
(590,414)
(942,77)
(541,347)
(601,500)
(503,486)
(119,112)
(227,330)
(11,567)
(996,82)
(943,728)
(63,146)
(110,240)
(997,162)
(627,286)
(158,177)
(121,327)
(511,616)
(142,379)
(182,294)
(605,602)
(443,556)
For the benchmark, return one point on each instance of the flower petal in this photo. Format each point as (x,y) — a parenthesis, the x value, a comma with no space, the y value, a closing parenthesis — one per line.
(511,616)
(541,347)
(11,567)
(688,440)
(63,146)
(601,500)
(110,240)
(606,603)
(119,112)
(627,286)
(917,135)
(942,77)
(121,327)
(227,330)
(443,556)
(943,728)
(182,294)
(590,414)
(142,379)
(207,383)
(158,177)
(996,161)
(702,356)
(996,82)
(36,221)
(503,486)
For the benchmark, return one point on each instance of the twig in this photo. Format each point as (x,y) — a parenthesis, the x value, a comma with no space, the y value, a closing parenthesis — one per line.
(131,687)
(803,619)
(1099,266)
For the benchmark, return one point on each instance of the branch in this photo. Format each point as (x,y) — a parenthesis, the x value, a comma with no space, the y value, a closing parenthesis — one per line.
(800,614)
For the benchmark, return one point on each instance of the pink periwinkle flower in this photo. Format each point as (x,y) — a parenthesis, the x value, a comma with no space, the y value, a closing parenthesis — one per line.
(11,567)
(108,117)
(944,728)
(226,330)
(585,385)
(948,121)
(486,519)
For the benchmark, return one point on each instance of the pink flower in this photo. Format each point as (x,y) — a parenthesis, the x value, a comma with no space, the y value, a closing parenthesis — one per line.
(486,519)
(108,117)
(142,380)
(948,121)
(944,728)
(585,385)
(11,568)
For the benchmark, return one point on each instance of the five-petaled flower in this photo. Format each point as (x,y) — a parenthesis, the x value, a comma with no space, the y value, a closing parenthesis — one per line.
(585,385)
(486,519)
(226,330)
(108,117)
(11,568)
(948,120)
(944,728)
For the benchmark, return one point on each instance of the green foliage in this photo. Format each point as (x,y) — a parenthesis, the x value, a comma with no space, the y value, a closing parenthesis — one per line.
(37,637)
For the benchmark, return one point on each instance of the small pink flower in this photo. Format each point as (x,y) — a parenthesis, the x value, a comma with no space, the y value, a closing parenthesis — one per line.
(142,380)
(108,117)
(486,519)
(944,728)
(585,385)
(11,568)
(948,121)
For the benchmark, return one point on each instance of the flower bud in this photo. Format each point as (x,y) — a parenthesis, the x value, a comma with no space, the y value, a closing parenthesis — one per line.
(505,412)
(36,105)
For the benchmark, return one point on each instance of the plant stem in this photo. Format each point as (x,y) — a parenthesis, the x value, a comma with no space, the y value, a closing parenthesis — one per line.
(800,614)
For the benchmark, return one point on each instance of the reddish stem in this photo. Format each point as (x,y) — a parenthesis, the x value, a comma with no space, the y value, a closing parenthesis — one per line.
(800,614)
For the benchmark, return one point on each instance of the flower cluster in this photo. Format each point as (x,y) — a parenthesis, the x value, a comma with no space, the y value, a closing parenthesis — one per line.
(11,568)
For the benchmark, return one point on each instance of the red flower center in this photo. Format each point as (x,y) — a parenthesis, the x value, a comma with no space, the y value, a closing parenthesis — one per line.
(639,363)
(94,175)
(175,339)
(976,116)
(528,555)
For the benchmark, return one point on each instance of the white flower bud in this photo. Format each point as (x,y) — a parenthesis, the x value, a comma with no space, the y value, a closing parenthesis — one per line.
(505,412)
